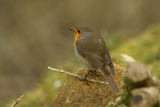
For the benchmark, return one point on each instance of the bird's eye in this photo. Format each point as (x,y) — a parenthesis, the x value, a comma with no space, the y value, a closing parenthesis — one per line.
(78,31)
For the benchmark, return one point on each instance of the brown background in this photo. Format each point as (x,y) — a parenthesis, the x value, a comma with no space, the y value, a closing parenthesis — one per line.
(34,33)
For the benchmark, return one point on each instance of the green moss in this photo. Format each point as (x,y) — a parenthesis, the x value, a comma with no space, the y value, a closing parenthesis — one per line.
(46,91)
(145,48)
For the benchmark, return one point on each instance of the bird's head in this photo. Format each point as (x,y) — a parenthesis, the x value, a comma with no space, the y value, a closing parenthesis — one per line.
(81,32)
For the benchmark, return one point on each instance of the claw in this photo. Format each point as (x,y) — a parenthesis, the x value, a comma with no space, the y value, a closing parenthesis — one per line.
(83,78)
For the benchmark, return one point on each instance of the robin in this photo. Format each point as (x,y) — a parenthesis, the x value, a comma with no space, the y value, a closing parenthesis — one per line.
(91,51)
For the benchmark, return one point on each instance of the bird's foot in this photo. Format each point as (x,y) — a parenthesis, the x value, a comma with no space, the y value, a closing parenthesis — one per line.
(83,78)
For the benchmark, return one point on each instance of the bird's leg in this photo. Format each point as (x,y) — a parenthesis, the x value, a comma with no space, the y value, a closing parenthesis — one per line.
(84,76)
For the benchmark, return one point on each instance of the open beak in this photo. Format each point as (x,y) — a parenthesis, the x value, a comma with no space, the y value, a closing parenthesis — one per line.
(71,29)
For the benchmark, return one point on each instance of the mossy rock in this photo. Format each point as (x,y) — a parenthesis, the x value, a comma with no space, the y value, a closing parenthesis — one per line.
(89,94)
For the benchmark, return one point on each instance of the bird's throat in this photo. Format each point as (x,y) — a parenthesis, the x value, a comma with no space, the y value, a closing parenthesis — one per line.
(77,36)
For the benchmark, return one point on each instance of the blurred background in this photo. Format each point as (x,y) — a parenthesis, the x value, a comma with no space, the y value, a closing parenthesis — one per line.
(34,34)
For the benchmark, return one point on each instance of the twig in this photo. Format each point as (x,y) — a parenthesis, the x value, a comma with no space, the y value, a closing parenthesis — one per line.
(76,75)
(17,101)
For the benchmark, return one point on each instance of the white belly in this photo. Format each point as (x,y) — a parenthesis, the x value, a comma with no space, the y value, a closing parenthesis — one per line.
(83,61)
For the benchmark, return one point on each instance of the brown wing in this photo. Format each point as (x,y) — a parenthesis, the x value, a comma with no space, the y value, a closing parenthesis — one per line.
(109,62)
(95,51)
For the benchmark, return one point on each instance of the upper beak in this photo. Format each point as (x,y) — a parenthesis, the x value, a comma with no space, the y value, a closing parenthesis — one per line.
(71,29)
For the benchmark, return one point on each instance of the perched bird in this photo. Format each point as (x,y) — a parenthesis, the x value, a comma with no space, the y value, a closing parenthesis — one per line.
(91,51)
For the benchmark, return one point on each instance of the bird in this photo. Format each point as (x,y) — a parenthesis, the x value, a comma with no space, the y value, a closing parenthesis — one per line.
(91,51)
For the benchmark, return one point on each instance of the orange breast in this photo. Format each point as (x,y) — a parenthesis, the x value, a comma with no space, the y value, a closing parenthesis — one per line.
(77,36)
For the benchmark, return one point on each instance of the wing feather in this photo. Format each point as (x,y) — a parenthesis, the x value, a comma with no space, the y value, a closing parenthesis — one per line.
(95,51)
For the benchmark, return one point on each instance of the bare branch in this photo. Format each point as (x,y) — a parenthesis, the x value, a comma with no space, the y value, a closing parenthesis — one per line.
(76,75)
(17,101)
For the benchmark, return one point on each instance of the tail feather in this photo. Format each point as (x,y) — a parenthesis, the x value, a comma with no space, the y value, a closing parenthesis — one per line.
(109,79)
(112,69)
